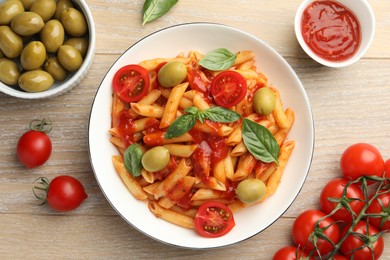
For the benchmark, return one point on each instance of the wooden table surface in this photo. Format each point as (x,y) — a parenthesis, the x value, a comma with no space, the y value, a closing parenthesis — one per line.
(350,105)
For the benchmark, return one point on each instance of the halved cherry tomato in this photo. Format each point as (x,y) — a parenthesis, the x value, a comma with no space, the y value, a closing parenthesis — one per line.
(131,82)
(228,88)
(214,219)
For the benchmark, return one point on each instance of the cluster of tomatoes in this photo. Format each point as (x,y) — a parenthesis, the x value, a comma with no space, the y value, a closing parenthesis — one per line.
(354,212)
(34,148)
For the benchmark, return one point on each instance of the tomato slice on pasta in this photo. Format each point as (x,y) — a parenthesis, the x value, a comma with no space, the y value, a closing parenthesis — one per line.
(131,83)
(214,219)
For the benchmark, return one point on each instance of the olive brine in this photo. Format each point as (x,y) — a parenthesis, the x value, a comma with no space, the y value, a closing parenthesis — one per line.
(41,41)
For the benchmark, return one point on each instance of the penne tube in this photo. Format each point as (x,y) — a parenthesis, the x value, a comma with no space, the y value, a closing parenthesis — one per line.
(171,216)
(129,181)
(181,150)
(200,103)
(172,179)
(229,166)
(244,56)
(206,194)
(157,138)
(275,178)
(154,63)
(172,105)
(147,110)
(148,176)
(117,106)
(183,103)
(279,114)
(239,150)
(219,171)
(245,167)
(144,123)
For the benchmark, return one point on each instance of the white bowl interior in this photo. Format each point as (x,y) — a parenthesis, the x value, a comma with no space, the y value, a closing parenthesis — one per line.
(172,41)
(366,17)
(74,78)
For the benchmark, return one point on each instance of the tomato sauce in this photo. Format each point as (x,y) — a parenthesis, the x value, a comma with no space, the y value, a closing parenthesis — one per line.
(331,30)
(211,149)
(126,128)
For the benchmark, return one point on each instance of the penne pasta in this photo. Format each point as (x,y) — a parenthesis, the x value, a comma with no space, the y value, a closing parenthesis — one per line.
(208,161)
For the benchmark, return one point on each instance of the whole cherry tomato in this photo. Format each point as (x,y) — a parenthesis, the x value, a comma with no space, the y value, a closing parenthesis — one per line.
(290,253)
(387,168)
(34,147)
(361,159)
(380,205)
(334,189)
(305,224)
(350,246)
(63,193)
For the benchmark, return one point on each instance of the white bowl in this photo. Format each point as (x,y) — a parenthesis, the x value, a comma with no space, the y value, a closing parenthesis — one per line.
(172,41)
(365,15)
(73,78)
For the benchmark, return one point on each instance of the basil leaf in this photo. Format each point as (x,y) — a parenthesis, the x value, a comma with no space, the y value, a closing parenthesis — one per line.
(154,9)
(260,142)
(180,126)
(132,159)
(219,59)
(191,110)
(220,114)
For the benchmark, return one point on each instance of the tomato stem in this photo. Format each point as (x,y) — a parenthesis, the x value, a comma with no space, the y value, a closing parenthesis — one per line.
(41,125)
(43,186)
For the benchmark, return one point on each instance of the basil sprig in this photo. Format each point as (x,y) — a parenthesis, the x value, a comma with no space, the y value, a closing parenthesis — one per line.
(154,9)
(219,59)
(187,121)
(132,159)
(260,142)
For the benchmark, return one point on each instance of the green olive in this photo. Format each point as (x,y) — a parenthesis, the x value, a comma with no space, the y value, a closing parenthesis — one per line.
(9,71)
(27,23)
(80,43)
(74,22)
(264,101)
(250,190)
(33,55)
(53,66)
(10,43)
(172,74)
(69,57)
(52,35)
(61,6)
(35,81)
(155,159)
(9,9)
(45,8)
(27,3)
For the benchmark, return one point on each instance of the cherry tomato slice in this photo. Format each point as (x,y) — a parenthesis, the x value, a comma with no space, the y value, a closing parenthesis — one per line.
(131,83)
(228,88)
(214,219)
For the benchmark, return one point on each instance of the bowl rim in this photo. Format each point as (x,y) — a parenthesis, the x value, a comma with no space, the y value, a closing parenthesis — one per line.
(312,141)
(366,40)
(75,78)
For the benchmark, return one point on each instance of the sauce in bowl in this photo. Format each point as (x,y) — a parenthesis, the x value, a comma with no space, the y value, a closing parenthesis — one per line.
(331,30)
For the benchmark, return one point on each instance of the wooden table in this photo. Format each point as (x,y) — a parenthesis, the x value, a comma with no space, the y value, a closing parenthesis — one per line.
(349,105)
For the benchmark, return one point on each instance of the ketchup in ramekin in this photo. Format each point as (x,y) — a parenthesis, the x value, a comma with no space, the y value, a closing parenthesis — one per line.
(331,30)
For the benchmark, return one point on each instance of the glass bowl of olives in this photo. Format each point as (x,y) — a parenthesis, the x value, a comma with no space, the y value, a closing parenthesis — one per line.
(46,46)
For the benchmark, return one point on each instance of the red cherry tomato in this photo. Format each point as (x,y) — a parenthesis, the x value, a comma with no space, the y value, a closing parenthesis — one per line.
(65,193)
(131,83)
(304,225)
(339,257)
(387,168)
(34,148)
(213,219)
(228,88)
(361,160)
(335,189)
(353,241)
(380,205)
(290,253)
